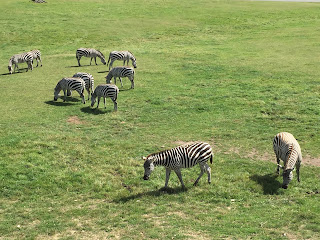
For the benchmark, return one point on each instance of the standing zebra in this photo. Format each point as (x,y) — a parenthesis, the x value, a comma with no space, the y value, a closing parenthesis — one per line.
(36,54)
(88,79)
(121,72)
(121,55)
(90,52)
(68,84)
(184,156)
(20,58)
(287,148)
(105,90)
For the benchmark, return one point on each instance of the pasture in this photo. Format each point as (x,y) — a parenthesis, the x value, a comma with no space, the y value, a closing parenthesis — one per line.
(230,73)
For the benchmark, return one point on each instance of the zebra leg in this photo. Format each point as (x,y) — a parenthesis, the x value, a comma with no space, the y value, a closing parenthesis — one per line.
(278,166)
(178,172)
(168,172)
(203,169)
(40,62)
(88,90)
(115,80)
(64,95)
(98,102)
(121,81)
(104,102)
(95,60)
(78,58)
(91,60)
(208,169)
(115,104)
(132,84)
(298,169)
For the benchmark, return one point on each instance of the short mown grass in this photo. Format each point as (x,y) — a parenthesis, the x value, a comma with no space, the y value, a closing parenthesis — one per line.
(231,73)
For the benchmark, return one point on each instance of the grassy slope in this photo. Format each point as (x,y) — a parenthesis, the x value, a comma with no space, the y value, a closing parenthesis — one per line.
(230,73)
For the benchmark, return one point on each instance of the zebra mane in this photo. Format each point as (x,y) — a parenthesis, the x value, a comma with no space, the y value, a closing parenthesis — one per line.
(132,55)
(100,53)
(157,153)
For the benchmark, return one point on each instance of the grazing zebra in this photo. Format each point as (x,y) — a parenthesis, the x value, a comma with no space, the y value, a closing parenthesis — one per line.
(121,72)
(184,156)
(36,54)
(68,84)
(90,52)
(105,90)
(88,79)
(287,148)
(20,58)
(121,55)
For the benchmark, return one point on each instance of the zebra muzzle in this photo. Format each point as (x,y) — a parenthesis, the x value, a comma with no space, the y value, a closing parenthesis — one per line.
(145,177)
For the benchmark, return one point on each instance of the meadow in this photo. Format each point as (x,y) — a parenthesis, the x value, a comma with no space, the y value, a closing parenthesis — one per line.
(230,73)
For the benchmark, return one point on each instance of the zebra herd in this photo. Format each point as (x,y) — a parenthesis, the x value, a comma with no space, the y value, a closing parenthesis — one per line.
(285,145)
(80,81)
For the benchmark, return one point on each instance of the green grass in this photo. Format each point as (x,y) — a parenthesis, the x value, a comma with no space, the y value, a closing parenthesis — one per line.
(232,73)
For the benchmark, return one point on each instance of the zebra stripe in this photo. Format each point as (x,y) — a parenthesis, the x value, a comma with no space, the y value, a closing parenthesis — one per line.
(90,52)
(36,54)
(121,56)
(88,79)
(184,156)
(105,90)
(287,149)
(68,84)
(20,58)
(119,72)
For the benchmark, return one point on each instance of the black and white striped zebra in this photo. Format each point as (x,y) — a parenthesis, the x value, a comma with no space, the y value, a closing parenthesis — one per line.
(68,84)
(89,81)
(90,52)
(105,90)
(184,156)
(122,56)
(20,58)
(287,148)
(119,72)
(36,54)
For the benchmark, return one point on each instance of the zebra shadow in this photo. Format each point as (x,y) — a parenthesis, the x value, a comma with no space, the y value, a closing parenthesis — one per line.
(154,193)
(96,111)
(4,74)
(269,183)
(58,103)
(104,71)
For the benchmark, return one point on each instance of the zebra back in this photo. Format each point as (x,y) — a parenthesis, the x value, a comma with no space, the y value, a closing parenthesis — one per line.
(184,156)
(287,148)
(87,78)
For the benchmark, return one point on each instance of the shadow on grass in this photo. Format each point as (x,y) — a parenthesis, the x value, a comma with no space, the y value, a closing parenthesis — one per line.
(268,182)
(104,71)
(155,193)
(59,103)
(94,111)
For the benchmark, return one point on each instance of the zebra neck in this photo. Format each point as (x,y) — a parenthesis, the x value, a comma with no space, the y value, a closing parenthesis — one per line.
(291,159)
(162,159)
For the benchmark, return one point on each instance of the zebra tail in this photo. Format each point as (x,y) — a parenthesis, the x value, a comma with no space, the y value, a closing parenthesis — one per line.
(211,159)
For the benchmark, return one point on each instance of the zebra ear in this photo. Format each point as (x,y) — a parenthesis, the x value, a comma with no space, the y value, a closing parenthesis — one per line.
(144,158)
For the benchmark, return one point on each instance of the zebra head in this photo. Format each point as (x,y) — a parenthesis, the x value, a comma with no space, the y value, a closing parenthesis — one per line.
(57,89)
(134,62)
(287,177)
(108,78)
(10,69)
(148,167)
(93,99)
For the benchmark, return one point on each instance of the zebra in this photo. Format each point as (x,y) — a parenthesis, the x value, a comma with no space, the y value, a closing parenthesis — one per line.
(121,55)
(90,52)
(20,58)
(105,90)
(89,81)
(36,54)
(184,156)
(287,148)
(68,84)
(121,72)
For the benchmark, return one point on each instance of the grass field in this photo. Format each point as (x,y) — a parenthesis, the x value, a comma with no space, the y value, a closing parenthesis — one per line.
(231,73)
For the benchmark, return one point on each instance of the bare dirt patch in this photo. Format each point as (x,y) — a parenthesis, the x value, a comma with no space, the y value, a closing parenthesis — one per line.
(75,120)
